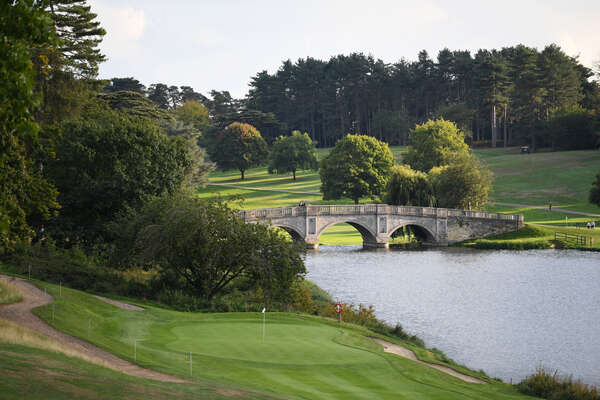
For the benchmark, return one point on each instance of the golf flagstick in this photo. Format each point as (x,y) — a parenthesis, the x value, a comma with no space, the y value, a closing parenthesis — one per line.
(264,313)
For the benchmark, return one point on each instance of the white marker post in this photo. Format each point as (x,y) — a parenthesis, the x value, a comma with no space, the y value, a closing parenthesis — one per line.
(264,314)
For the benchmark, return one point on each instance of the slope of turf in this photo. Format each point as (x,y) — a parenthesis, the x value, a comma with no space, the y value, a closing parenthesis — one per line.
(300,356)
(31,373)
(563,178)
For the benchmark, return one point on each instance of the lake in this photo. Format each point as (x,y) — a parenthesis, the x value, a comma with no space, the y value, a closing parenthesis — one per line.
(505,312)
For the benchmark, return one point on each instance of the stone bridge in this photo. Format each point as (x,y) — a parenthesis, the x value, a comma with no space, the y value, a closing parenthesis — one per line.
(377,222)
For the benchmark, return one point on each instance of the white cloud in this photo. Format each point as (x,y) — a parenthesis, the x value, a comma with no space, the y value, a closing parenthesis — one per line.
(125,27)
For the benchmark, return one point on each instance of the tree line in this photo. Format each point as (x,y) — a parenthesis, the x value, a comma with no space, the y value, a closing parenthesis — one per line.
(505,96)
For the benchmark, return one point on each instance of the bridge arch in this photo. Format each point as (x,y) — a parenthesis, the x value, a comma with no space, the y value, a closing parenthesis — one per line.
(422,230)
(368,236)
(296,236)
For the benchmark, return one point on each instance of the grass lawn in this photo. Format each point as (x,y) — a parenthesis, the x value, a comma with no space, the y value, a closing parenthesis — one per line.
(563,178)
(301,356)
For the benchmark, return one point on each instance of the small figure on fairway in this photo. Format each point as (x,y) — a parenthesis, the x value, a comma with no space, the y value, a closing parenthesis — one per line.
(550,206)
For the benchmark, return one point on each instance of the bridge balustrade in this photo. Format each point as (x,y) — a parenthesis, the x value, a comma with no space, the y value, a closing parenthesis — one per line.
(370,209)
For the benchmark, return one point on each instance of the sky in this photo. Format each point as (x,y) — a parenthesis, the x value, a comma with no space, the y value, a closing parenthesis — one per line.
(221,44)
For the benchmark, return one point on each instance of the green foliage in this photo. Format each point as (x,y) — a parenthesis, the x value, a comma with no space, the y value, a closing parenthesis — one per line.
(74,268)
(595,191)
(124,85)
(574,128)
(357,166)
(134,104)
(193,113)
(106,162)
(548,385)
(409,187)
(238,146)
(80,35)
(292,153)
(464,183)
(459,113)
(432,144)
(26,198)
(205,247)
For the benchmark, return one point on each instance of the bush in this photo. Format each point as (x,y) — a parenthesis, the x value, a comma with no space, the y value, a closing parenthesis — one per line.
(75,269)
(553,386)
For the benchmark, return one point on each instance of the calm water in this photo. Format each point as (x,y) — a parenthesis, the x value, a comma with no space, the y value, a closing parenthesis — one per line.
(504,312)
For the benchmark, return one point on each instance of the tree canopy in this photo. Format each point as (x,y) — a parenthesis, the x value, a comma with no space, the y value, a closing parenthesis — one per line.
(25,195)
(432,143)
(209,248)
(463,183)
(291,153)
(357,166)
(409,187)
(238,146)
(106,162)
(595,191)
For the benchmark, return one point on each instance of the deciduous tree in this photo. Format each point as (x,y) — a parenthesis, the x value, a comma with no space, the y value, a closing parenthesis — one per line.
(238,146)
(409,187)
(109,161)
(432,143)
(357,166)
(463,183)
(208,247)
(292,153)
(595,191)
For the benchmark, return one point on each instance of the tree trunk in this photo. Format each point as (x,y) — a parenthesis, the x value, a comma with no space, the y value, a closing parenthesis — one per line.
(242,171)
(505,127)
(294,173)
(494,126)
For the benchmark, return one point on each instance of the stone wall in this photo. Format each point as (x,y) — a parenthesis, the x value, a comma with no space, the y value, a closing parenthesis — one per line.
(464,228)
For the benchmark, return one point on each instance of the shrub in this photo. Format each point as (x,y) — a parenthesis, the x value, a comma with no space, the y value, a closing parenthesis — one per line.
(553,386)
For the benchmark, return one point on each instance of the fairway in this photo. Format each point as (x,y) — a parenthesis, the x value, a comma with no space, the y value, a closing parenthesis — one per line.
(301,356)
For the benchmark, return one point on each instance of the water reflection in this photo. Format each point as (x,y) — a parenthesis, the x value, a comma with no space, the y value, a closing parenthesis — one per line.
(502,311)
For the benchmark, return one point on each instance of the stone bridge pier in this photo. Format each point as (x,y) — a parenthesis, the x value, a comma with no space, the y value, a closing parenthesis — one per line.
(377,222)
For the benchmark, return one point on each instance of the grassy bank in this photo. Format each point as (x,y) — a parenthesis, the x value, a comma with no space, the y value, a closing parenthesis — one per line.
(301,356)
(8,293)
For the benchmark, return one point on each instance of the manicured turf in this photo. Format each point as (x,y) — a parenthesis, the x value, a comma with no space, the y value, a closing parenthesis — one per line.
(301,356)
(564,178)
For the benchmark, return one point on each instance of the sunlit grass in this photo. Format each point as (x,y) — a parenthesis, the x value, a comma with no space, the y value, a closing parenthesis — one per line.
(8,293)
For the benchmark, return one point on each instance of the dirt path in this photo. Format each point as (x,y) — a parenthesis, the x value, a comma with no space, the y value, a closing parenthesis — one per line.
(406,353)
(544,208)
(120,304)
(20,313)
(262,189)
